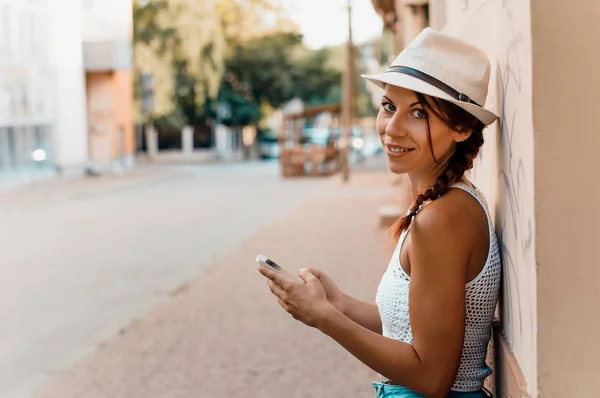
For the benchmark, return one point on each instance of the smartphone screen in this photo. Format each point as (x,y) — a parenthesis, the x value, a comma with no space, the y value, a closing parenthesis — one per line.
(267,262)
(274,265)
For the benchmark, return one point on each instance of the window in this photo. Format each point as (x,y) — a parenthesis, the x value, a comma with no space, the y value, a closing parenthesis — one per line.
(147,93)
(42,152)
(4,162)
(11,141)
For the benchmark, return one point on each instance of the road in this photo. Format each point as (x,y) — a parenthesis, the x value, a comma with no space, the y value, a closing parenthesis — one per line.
(81,259)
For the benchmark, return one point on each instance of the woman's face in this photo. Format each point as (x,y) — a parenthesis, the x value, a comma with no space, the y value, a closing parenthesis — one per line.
(402,128)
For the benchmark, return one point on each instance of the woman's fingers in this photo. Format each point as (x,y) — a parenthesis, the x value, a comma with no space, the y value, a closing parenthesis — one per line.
(275,277)
(276,289)
(317,273)
(283,305)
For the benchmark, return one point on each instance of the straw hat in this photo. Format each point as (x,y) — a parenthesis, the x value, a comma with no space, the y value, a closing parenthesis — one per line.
(445,67)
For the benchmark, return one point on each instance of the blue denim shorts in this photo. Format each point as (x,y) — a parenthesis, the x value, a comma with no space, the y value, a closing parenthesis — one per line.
(393,391)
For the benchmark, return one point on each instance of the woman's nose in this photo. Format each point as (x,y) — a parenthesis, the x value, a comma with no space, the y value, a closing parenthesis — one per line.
(395,128)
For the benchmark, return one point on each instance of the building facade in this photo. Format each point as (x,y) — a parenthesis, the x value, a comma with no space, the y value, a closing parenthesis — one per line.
(535,160)
(42,90)
(108,64)
(538,171)
(66,89)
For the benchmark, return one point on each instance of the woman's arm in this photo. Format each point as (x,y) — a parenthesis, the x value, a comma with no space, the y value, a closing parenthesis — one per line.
(438,255)
(363,313)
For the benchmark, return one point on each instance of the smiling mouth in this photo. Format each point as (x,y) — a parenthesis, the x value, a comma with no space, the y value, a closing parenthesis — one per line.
(396,150)
(399,150)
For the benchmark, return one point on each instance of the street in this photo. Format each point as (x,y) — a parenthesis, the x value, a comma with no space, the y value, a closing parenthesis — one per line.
(80,263)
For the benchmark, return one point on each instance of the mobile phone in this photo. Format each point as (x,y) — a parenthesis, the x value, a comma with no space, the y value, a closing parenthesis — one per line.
(268,263)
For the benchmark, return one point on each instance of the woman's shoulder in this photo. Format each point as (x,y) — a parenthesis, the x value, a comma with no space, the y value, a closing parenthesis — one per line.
(454,208)
(452,218)
(442,237)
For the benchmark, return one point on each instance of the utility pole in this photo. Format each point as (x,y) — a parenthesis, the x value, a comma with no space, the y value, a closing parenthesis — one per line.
(347,102)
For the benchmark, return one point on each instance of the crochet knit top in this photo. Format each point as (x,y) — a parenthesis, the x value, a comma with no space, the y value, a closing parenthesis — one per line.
(481,297)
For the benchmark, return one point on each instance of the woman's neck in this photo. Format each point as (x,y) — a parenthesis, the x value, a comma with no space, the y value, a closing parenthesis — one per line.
(420,182)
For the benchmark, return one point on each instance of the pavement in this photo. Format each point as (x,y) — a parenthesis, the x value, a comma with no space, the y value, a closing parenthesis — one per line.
(217,331)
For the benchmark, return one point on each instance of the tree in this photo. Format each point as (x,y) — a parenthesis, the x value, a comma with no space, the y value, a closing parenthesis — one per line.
(246,54)
(314,82)
(181,46)
(272,70)
(250,19)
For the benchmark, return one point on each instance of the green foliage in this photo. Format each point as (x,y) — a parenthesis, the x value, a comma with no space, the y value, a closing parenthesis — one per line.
(263,67)
(275,69)
(243,110)
(147,29)
(179,45)
(314,82)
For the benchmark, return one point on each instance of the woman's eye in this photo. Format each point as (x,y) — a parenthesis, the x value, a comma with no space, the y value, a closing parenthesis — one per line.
(419,114)
(388,107)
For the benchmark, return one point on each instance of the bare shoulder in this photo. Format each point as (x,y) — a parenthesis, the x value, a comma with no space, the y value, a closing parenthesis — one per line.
(456,211)
(450,225)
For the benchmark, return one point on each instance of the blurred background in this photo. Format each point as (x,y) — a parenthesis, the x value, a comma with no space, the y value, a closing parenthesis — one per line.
(150,149)
(115,87)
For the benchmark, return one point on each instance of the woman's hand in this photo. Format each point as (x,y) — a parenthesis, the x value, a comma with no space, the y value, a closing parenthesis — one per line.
(306,301)
(334,294)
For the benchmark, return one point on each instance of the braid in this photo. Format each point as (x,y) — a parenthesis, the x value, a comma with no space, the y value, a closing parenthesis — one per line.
(458,163)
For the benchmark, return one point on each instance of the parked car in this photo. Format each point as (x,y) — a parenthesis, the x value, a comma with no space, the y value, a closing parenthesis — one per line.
(268,147)
(317,136)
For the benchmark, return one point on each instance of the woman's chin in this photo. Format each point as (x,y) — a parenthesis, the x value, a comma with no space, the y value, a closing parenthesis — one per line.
(397,168)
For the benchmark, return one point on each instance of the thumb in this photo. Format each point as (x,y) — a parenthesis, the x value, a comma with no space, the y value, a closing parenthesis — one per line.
(318,274)
(306,276)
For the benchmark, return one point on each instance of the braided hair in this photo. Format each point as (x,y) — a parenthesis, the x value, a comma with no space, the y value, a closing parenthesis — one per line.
(455,163)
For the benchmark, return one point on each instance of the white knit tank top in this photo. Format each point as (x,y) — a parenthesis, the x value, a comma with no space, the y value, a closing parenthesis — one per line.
(481,298)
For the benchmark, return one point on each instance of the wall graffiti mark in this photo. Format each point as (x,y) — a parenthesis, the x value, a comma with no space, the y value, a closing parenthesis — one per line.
(515,219)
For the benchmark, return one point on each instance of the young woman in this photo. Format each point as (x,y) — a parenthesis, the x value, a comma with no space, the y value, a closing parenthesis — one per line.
(428,332)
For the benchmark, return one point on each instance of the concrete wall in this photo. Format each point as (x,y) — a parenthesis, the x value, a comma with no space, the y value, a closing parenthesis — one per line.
(108,26)
(123,109)
(566,101)
(110,123)
(66,58)
(100,125)
(107,35)
(505,168)
(42,105)
(540,173)
(107,20)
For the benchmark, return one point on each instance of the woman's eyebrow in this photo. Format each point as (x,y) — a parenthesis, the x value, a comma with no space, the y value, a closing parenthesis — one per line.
(410,106)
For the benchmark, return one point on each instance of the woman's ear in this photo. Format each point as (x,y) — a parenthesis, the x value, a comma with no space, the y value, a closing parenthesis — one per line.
(461,136)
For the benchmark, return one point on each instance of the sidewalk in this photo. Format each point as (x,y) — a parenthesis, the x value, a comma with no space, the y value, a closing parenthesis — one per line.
(224,335)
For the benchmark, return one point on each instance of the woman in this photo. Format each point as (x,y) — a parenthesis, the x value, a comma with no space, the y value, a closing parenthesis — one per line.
(427,333)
